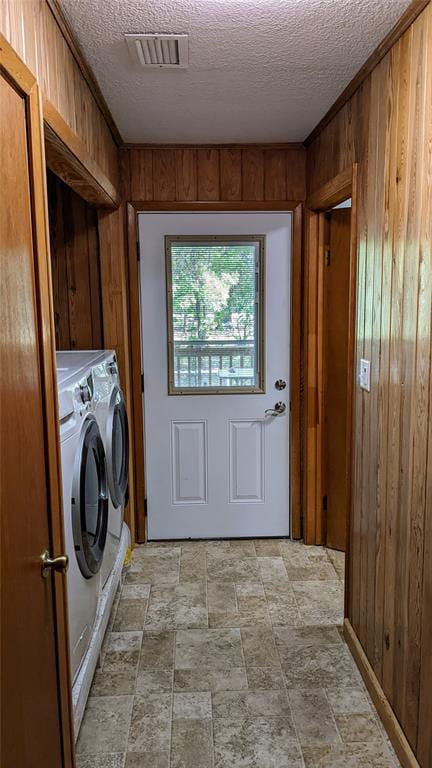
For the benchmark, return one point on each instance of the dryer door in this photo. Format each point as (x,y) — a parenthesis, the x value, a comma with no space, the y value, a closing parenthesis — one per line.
(90,499)
(117,448)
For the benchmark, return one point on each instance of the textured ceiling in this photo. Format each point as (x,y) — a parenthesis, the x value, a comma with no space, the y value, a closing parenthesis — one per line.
(259,70)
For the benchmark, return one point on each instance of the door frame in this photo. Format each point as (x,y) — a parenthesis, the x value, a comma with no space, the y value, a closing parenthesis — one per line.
(334,192)
(25,83)
(133,209)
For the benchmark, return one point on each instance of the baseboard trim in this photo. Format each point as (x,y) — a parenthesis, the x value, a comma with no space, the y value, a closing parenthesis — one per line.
(388,717)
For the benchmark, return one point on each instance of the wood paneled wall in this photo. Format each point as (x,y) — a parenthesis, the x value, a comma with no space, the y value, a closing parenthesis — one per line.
(31,29)
(387,128)
(209,174)
(75,264)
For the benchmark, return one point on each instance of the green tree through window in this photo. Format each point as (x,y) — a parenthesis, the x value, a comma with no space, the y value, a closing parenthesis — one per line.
(213,291)
(214,318)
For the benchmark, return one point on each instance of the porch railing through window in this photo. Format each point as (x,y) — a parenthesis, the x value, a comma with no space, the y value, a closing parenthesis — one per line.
(214,363)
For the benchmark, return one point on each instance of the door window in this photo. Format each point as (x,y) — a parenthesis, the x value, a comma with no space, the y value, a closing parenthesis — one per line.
(215,295)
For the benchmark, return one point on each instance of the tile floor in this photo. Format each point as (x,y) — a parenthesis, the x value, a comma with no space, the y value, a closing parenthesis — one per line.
(230,655)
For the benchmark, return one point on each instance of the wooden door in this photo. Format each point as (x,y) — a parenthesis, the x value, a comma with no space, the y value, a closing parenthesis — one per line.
(336,339)
(31,720)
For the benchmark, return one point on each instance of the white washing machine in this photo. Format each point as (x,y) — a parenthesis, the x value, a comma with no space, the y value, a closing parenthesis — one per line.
(111,415)
(85,497)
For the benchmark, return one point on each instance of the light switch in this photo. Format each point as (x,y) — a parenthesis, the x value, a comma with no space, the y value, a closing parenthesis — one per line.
(364,374)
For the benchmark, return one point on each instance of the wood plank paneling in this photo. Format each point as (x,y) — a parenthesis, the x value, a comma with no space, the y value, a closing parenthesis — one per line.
(253,173)
(31,28)
(164,174)
(231,174)
(141,173)
(275,174)
(75,268)
(386,127)
(186,175)
(214,174)
(208,174)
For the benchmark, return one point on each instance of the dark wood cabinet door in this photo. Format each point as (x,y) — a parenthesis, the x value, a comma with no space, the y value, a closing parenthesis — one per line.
(31,732)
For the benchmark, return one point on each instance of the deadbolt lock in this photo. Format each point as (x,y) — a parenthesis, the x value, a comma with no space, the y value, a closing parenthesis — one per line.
(280,384)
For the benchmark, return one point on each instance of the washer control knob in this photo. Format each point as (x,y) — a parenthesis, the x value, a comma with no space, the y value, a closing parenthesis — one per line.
(85,393)
(112,368)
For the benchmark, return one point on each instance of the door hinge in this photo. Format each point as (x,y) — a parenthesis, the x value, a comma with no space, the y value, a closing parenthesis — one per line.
(142,383)
(324,503)
(327,256)
(138,251)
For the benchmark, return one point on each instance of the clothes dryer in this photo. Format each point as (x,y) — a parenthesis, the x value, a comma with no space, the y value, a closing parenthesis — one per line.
(110,412)
(85,499)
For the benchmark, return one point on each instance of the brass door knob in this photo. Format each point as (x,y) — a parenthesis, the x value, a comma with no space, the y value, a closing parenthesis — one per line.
(48,564)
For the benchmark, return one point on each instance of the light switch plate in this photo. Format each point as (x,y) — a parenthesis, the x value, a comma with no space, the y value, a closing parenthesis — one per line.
(364,374)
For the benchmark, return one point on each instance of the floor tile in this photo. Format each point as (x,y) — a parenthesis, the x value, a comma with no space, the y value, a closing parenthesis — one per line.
(150,727)
(251,611)
(230,654)
(221,597)
(313,718)
(121,661)
(192,744)
(135,591)
(265,678)
(211,649)
(272,569)
(319,572)
(348,701)
(154,681)
(130,615)
(239,705)
(157,650)
(124,641)
(233,569)
(348,756)
(155,566)
(289,639)
(358,727)
(182,605)
(113,683)
(105,725)
(320,667)
(259,647)
(294,556)
(267,547)
(147,760)
(250,589)
(317,605)
(234,548)
(100,761)
(210,680)
(256,743)
(192,564)
(192,706)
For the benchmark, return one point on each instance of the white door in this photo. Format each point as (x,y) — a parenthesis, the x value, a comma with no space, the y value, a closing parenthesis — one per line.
(215,306)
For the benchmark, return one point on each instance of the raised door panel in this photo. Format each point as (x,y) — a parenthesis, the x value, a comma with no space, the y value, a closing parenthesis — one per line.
(246,452)
(189,462)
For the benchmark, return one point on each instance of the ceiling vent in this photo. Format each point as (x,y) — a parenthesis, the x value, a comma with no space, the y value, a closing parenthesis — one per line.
(159,51)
